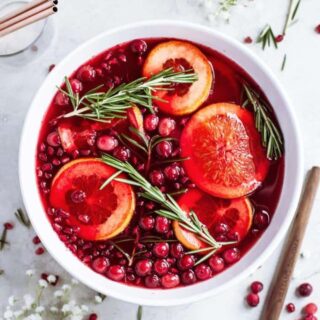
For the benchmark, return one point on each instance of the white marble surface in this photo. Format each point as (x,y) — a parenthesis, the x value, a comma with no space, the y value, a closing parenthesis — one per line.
(76,22)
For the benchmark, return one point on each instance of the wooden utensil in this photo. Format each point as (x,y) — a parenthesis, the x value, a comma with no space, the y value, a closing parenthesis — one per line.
(279,286)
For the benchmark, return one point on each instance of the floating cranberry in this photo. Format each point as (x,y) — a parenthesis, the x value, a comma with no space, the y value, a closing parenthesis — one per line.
(164,149)
(78,196)
(143,267)
(186,262)
(317,28)
(61,99)
(290,307)
(166,126)
(107,143)
(156,178)
(256,287)
(122,153)
(116,273)
(170,280)
(310,317)
(231,255)
(39,251)
(147,222)
(138,46)
(216,263)
(253,299)
(162,224)
(100,264)
(305,290)
(76,85)
(8,225)
(261,220)
(203,271)
(152,281)
(176,250)
(86,73)
(221,229)
(93,316)
(172,172)
(279,38)
(188,277)
(161,249)
(53,139)
(161,267)
(36,240)
(151,122)
(310,308)
(247,40)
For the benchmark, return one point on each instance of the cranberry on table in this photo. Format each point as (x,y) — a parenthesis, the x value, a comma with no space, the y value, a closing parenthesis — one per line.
(152,281)
(188,277)
(216,263)
(161,249)
(161,267)
(36,240)
(53,139)
(61,99)
(164,149)
(143,267)
(162,224)
(231,255)
(107,143)
(310,308)
(203,271)
(86,73)
(166,126)
(76,85)
(305,290)
(93,316)
(172,172)
(138,46)
(39,251)
(147,222)
(253,299)
(151,122)
(256,287)
(187,261)
(100,264)
(122,153)
(176,250)
(8,225)
(247,40)
(290,307)
(156,178)
(170,281)
(116,272)
(317,28)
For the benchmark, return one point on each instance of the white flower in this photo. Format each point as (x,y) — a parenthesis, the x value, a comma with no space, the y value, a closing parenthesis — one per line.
(54,309)
(39,309)
(34,316)
(28,301)
(58,294)
(8,314)
(12,300)
(18,313)
(52,278)
(84,308)
(66,287)
(66,308)
(43,283)
(74,281)
(97,299)
(30,273)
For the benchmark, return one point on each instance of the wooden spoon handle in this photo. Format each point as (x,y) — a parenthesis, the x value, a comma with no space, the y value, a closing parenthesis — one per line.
(279,286)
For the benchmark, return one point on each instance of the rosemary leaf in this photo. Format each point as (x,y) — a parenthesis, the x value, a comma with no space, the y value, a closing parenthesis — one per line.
(292,12)
(139,313)
(267,37)
(1,272)
(284,62)
(3,239)
(22,217)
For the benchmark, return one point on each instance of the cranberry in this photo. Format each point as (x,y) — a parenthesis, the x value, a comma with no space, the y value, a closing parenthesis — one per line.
(310,308)
(146,222)
(166,126)
(151,122)
(76,85)
(161,249)
(279,38)
(93,316)
(36,240)
(116,273)
(164,149)
(170,280)
(156,178)
(221,229)
(100,264)
(247,40)
(143,267)
(152,281)
(138,46)
(256,287)
(162,224)
(290,307)
(176,250)
(261,220)
(39,251)
(253,299)
(216,263)
(78,196)
(317,28)
(310,317)
(61,99)
(231,255)
(161,267)
(8,225)
(172,172)
(188,277)
(186,262)
(203,271)
(53,139)
(107,143)
(305,290)
(122,153)
(86,73)
(51,67)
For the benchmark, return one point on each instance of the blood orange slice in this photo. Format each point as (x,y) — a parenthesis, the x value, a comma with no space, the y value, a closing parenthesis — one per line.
(226,158)
(99,214)
(180,56)
(236,214)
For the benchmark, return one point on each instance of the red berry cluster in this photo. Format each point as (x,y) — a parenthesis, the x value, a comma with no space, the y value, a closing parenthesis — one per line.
(253,297)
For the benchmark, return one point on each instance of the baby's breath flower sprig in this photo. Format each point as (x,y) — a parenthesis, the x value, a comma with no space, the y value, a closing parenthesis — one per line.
(105,106)
(271,136)
(169,207)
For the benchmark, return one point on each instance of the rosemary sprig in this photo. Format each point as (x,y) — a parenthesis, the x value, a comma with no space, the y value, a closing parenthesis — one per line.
(102,296)
(271,137)
(105,106)
(292,12)
(139,313)
(169,207)
(22,217)
(3,238)
(267,37)
(284,62)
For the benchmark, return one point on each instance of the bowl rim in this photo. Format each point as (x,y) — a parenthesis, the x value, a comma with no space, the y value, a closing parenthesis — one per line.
(180,295)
